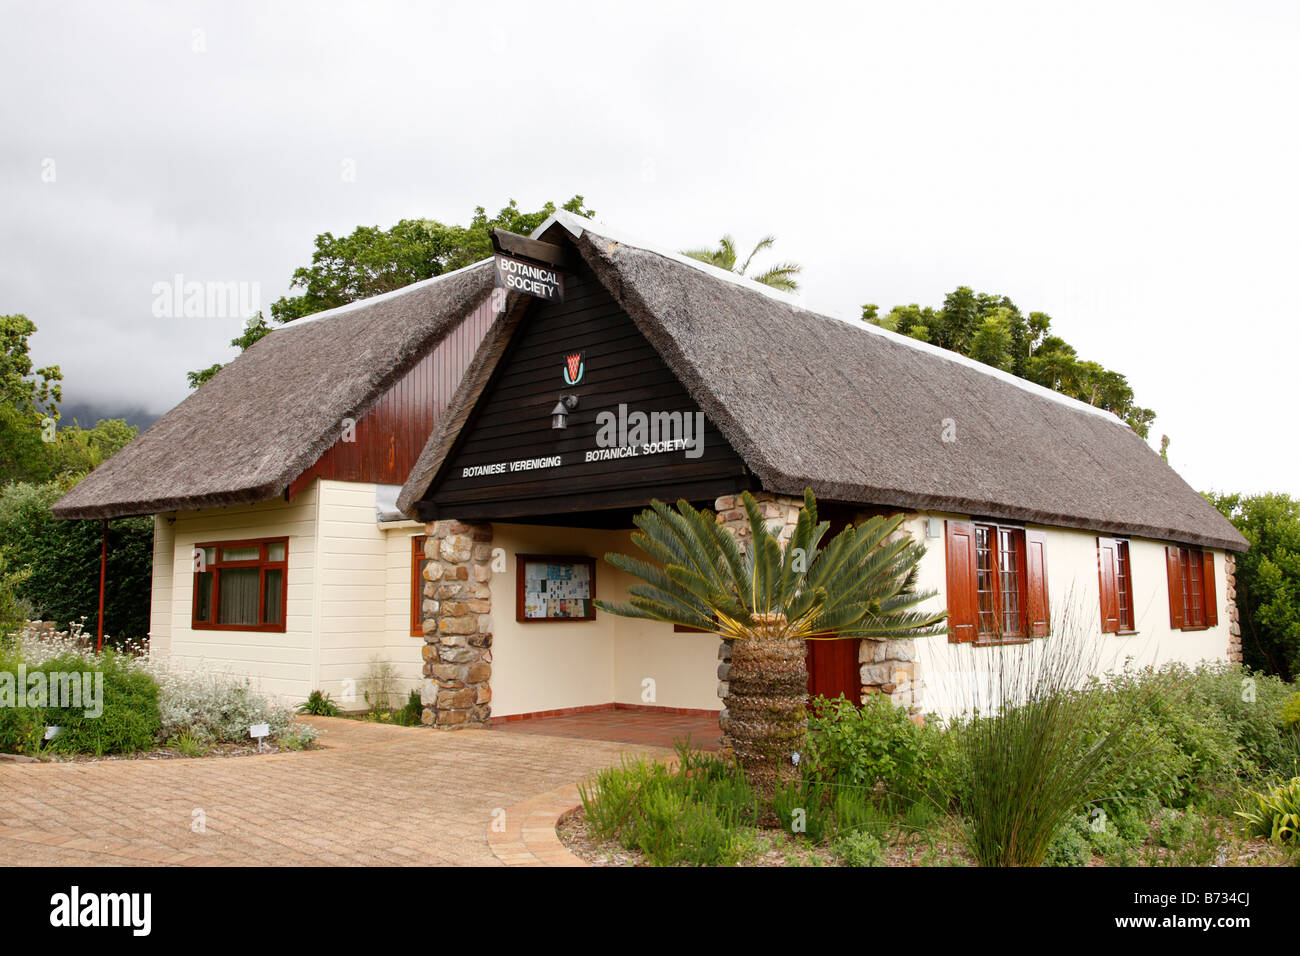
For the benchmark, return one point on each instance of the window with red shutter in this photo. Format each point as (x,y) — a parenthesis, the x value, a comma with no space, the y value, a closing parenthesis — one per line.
(1124,587)
(963,599)
(1037,605)
(1193,600)
(1108,576)
(418,563)
(997,582)
(1115,574)
(1174,567)
(1211,595)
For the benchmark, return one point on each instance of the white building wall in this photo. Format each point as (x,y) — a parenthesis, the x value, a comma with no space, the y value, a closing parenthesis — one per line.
(349,593)
(160,591)
(400,646)
(1075,601)
(353,590)
(349,590)
(278,663)
(540,666)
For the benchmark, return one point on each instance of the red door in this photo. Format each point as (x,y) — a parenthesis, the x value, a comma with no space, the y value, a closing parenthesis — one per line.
(833,669)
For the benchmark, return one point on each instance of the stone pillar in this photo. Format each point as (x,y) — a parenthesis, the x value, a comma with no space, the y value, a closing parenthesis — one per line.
(457,622)
(891,668)
(1234,622)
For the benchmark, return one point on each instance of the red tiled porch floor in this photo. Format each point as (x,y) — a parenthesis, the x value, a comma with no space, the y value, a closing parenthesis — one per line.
(644,728)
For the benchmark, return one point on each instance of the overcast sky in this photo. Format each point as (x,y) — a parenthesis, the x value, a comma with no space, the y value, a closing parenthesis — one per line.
(1129,169)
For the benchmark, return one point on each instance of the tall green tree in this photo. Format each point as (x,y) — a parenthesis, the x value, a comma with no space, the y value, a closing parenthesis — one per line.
(53,565)
(992,329)
(371,261)
(1268,579)
(769,599)
(780,276)
(29,403)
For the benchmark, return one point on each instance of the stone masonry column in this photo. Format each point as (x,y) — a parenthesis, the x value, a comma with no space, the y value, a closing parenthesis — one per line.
(457,622)
(891,668)
(1234,621)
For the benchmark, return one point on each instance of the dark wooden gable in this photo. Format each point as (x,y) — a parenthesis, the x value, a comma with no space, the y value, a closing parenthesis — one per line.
(389,437)
(511,422)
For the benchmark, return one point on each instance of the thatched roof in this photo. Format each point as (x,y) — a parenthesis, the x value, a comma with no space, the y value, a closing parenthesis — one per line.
(857,413)
(269,414)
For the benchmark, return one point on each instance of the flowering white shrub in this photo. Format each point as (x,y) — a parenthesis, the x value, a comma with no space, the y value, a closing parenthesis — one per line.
(211,706)
(38,644)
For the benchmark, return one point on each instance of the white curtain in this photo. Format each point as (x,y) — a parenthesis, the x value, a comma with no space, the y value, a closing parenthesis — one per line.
(239,595)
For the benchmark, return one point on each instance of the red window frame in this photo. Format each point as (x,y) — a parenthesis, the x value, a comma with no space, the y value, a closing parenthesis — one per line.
(1193,600)
(261,563)
(1001,584)
(977,597)
(1124,587)
(1115,577)
(417,584)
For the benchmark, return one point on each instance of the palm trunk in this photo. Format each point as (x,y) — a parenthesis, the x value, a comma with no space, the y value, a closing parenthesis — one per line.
(767,708)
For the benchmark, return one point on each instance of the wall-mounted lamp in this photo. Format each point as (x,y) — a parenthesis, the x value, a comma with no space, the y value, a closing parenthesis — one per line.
(560,413)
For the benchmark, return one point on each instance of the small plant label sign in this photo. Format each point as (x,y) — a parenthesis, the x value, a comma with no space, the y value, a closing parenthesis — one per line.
(259,731)
(52,732)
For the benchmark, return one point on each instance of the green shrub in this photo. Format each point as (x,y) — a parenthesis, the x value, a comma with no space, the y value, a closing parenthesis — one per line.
(57,562)
(877,748)
(127,723)
(859,848)
(1290,712)
(1253,705)
(189,745)
(803,808)
(1186,836)
(671,829)
(854,812)
(691,815)
(1070,845)
(319,704)
(297,737)
(1274,813)
(1043,750)
(130,719)
(411,714)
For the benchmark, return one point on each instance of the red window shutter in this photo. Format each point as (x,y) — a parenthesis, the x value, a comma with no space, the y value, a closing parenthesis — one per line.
(963,600)
(1175,568)
(1108,573)
(1211,602)
(1036,566)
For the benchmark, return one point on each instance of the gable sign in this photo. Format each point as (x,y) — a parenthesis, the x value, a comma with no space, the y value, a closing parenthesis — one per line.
(518,275)
(574,366)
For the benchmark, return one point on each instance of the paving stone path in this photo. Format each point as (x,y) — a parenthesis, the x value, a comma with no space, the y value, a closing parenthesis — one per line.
(373,794)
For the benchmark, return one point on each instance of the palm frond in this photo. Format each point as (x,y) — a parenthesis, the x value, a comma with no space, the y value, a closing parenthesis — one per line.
(781,277)
(765,243)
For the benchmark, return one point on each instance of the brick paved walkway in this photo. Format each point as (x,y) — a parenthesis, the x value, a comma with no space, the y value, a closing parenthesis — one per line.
(373,794)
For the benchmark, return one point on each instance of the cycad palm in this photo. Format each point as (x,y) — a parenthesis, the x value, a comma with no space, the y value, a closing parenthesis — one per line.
(769,599)
(780,276)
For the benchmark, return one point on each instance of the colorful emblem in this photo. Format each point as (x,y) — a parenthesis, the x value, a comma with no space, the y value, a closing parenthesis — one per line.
(573,368)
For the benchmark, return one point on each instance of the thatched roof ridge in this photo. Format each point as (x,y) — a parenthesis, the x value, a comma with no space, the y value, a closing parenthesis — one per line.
(269,414)
(858,413)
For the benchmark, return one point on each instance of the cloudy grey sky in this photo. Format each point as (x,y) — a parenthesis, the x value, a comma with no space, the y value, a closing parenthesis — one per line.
(1128,168)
